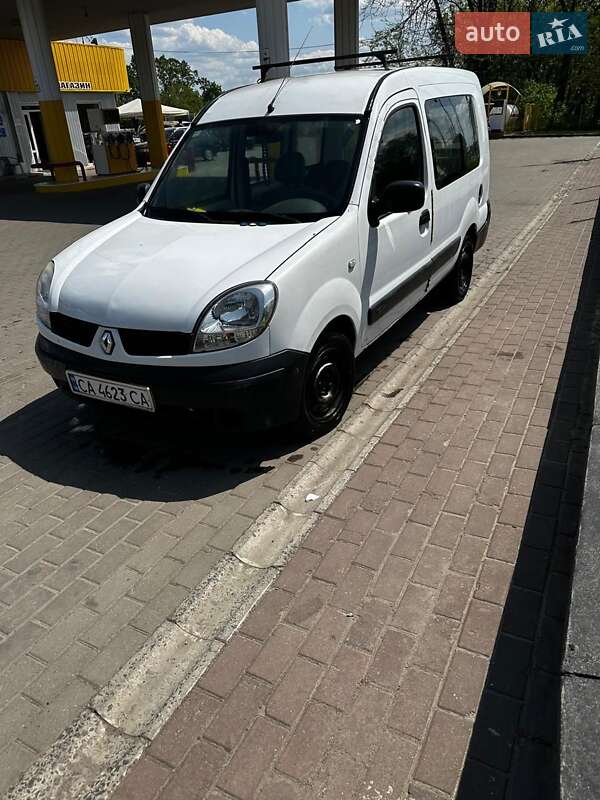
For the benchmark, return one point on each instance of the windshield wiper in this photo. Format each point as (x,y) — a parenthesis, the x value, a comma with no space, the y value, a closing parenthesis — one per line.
(250,215)
(187,214)
(236,215)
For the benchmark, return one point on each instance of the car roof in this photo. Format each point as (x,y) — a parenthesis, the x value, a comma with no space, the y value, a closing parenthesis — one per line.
(344,92)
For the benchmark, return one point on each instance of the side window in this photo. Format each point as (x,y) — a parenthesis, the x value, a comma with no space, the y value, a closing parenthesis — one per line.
(400,153)
(465,112)
(454,140)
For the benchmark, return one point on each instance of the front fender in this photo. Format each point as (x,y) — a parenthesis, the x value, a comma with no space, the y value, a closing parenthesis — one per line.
(335,298)
(320,283)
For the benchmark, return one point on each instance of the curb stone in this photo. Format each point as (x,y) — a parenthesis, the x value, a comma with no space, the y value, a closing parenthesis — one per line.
(580,684)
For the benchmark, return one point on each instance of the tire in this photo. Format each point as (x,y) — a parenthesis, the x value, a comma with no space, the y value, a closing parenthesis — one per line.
(328,385)
(455,286)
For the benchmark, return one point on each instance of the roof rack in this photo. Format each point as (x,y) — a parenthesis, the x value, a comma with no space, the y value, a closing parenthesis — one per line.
(385,58)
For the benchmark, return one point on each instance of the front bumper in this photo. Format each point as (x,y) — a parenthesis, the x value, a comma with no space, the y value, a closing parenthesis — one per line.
(257,394)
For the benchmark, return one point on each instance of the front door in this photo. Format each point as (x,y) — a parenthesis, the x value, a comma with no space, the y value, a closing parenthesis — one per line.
(37,138)
(397,251)
(84,121)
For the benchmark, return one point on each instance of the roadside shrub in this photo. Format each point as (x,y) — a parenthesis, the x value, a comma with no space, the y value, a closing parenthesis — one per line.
(543,95)
(560,119)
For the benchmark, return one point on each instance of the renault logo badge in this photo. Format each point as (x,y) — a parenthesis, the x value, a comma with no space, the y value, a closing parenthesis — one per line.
(108,342)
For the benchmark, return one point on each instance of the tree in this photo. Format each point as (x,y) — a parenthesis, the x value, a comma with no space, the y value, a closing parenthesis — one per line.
(178,83)
(210,90)
(134,87)
(424,27)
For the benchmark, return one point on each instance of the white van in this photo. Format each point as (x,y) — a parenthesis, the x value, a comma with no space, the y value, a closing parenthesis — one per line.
(245,285)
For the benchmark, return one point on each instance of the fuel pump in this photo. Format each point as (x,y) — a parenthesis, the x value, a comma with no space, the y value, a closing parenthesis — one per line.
(113,149)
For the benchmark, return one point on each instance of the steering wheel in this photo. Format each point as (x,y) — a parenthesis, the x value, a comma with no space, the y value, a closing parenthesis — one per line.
(316,194)
(296,205)
(322,199)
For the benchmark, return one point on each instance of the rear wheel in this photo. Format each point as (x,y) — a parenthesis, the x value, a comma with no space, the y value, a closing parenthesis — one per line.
(328,384)
(456,285)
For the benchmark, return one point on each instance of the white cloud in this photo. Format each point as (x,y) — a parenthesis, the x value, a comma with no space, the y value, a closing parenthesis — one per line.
(228,59)
(324,20)
(216,54)
(188,34)
(307,69)
(320,4)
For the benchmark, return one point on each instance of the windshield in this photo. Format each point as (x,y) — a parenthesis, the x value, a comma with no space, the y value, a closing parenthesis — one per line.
(267,170)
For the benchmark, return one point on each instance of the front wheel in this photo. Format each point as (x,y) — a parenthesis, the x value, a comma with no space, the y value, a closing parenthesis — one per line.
(328,384)
(456,285)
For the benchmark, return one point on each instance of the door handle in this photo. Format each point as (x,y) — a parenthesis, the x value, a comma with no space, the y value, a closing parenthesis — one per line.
(424,218)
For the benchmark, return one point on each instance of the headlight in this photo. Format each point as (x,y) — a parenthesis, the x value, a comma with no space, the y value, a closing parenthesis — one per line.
(42,292)
(236,317)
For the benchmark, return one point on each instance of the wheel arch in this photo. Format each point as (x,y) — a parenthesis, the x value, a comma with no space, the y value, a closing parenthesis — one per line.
(340,324)
(471,233)
(335,303)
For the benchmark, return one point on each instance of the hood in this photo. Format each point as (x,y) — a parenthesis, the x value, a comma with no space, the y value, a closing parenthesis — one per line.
(159,275)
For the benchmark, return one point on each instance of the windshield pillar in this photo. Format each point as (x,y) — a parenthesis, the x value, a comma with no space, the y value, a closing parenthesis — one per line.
(273,38)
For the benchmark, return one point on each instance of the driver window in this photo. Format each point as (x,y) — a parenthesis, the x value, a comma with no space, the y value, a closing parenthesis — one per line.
(400,153)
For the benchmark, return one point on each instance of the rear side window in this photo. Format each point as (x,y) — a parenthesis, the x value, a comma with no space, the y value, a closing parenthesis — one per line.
(400,153)
(453,134)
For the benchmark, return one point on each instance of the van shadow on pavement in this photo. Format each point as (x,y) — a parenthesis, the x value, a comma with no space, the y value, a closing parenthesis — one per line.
(174,457)
(171,458)
(514,752)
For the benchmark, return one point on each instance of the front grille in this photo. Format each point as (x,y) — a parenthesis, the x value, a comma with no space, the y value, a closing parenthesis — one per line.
(135,343)
(75,330)
(155,343)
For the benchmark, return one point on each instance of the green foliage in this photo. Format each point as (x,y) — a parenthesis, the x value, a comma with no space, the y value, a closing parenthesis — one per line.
(566,86)
(543,95)
(177,82)
(179,85)
(210,90)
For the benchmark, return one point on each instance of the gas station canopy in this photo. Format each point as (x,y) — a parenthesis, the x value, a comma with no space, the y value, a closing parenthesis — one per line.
(133,110)
(69,18)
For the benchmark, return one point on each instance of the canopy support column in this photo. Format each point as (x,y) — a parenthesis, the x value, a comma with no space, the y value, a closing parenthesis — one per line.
(54,121)
(143,51)
(345,24)
(273,38)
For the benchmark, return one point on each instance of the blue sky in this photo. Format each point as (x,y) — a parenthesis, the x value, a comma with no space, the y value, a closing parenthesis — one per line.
(223,47)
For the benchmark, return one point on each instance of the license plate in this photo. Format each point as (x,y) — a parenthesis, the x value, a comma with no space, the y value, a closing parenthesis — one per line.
(121,394)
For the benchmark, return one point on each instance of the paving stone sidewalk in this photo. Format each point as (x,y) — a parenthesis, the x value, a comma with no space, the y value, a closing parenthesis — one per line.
(359,675)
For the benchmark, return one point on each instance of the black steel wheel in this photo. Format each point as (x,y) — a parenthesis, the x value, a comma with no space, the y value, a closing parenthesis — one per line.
(328,384)
(456,285)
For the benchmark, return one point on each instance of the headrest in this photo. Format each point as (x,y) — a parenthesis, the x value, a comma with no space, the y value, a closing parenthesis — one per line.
(290,168)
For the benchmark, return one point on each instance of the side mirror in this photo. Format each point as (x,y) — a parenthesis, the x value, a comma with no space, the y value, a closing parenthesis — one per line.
(398,197)
(141,191)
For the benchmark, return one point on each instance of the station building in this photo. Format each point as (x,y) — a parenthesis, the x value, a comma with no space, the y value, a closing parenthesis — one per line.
(89,76)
